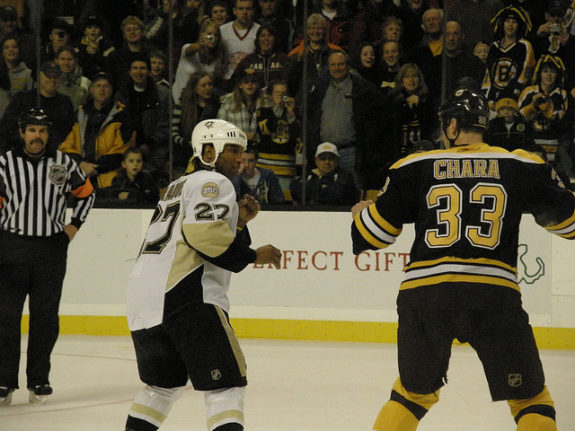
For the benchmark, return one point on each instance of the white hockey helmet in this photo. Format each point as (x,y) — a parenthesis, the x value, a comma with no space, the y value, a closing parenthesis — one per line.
(218,133)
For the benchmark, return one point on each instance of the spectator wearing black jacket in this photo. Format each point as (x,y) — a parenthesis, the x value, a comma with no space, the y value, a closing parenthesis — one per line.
(56,106)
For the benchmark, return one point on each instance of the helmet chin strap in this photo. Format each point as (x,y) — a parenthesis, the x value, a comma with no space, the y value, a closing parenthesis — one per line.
(451,140)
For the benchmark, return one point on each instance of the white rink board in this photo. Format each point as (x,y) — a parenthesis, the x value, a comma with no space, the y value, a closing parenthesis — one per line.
(320,278)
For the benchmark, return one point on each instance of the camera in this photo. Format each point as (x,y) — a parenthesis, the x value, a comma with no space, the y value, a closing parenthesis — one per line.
(285,99)
(555,28)
(210,38)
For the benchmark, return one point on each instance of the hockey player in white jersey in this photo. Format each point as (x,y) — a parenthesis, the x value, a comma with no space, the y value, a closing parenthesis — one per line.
(177,303)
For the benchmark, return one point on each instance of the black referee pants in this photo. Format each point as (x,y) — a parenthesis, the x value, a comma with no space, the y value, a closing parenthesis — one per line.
(33,267)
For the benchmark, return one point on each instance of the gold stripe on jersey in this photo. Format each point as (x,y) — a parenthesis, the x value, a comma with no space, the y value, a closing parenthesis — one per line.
(211,239)
(458,270)
(185,261)
(459,278)
(480,151)
(374,228)
(277,158)
(227,414)
(471,261)
(380,221)
(565,229)
(235,345)
(148,411)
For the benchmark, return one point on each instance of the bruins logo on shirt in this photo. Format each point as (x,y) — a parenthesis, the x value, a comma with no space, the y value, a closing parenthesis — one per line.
(210,190)
(57,175)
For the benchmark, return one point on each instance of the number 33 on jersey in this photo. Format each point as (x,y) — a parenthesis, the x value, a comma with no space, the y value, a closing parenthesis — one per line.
(466,204)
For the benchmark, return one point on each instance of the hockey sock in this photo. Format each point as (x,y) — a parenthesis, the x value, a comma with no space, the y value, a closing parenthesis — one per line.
(151,407)
(404,409)
(230,427)
(225,407)
(534,414)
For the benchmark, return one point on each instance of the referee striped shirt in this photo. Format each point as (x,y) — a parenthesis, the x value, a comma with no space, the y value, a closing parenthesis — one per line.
(34,193)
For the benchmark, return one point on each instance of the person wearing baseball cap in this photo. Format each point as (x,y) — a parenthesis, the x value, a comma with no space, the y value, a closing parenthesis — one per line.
(56,106)
(509,129)
(328,183)
(60,35)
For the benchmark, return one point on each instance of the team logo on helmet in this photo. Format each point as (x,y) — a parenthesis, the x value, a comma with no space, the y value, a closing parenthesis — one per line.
(57,174)
(209,124)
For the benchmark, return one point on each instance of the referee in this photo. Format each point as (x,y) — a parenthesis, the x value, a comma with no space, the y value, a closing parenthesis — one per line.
(35,184)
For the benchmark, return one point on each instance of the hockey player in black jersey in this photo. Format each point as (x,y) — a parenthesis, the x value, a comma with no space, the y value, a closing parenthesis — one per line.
(466,204)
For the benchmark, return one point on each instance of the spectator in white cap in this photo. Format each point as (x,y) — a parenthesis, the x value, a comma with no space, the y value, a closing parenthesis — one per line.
(328,183)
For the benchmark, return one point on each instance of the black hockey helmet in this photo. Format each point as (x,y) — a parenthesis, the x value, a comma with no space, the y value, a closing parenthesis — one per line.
(468,108)
(33,116)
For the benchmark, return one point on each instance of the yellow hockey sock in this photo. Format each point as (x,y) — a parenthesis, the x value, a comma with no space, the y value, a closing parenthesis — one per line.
(404,410)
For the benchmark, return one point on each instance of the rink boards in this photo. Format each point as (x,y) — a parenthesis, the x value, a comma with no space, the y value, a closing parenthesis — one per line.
(322,291)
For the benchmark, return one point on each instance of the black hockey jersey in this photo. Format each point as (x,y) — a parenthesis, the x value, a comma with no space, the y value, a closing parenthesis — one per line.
(466,204)
(508,70)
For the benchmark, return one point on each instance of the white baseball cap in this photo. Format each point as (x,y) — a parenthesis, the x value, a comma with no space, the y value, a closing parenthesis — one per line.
(326,147)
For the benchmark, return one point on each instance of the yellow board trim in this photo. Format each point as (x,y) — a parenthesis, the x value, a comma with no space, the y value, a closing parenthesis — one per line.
(286,329)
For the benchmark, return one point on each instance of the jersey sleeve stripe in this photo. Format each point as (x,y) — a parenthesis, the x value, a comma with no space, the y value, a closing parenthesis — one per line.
(211,239)
(366,234)
(84,190)
(378,219)
(375,229)
(564,228)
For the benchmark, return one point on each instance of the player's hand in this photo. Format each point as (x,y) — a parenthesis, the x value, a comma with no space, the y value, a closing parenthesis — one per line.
(269,254)
(71,231)
(90,169)
(358,207)
(249,208)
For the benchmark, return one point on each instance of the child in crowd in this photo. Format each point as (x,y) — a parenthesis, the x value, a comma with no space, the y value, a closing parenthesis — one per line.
(509,129)
(480,50)
(133,184)
(158,65)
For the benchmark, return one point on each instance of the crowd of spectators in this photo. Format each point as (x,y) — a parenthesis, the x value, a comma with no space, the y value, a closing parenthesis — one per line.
(365,78)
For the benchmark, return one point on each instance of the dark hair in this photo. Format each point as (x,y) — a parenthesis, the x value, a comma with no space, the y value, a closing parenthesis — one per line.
(139,57)
(189,103)
(5,82)
(356,58)
(273,83)
(66,48)
(271,29)
(252,149)
(156,53)
(131,151)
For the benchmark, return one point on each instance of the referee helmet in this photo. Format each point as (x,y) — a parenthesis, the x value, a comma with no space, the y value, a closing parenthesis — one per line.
(33,116)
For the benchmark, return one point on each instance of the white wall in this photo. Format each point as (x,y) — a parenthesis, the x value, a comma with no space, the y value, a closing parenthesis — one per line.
(320,280)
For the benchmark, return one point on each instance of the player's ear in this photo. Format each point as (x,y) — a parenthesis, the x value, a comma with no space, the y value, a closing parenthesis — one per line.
(452,127)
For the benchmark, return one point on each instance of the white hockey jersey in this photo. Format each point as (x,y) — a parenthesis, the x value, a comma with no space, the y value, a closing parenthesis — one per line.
(189,250)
